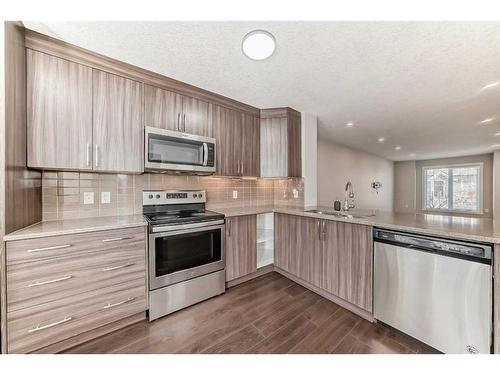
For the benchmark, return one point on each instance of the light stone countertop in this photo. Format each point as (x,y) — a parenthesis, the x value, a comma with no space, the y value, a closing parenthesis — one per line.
(472,229)
(71,226)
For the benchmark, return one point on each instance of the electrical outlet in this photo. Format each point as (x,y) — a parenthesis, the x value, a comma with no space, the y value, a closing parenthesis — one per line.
(295,193)
(235,194)
(88,197)
(105,197)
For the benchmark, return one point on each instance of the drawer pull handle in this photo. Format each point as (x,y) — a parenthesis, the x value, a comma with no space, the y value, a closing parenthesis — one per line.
(117,267)
(39,327)
(38,283)
(116,239)
(110,305)
(49,248)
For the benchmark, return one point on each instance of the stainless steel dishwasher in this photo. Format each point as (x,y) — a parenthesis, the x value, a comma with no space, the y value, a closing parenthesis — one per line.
(436,290)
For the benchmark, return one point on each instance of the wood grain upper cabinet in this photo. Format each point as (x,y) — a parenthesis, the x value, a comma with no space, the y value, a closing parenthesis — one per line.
(168,110)
(347,262)
(280,143)
(59,118)
(118,130)
(241,246)
(250,145)
(224,130)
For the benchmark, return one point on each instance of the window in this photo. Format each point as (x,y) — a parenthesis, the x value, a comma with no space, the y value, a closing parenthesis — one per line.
(453,188)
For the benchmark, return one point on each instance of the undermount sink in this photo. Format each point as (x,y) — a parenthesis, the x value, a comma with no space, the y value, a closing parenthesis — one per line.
(341,214)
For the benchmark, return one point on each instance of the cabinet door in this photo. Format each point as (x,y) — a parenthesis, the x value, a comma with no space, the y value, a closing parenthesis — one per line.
(59,118)
(307,238)
(118,130)
(195,119)
(241,246)
(273,147)
(250,145)
(224,124)
(162,108)
(294,148)
(347,262)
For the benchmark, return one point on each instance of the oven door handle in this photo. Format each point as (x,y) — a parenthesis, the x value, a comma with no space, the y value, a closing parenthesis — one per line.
(205,154)
(167,229)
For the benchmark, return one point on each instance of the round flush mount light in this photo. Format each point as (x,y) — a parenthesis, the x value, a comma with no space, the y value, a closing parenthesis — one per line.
(258,45)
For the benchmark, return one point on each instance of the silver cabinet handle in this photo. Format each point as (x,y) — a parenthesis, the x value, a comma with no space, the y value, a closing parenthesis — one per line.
(116,239)
(89,147)
(184,126)
(117,267)
(205,153)
(39,327)
(96,156)
(229,227)
(38,283)
(318,224)
(324,229)
(178,121)
(49,248)
(110,305)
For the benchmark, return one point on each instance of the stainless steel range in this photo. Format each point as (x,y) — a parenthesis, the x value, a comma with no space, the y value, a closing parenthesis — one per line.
(186,250)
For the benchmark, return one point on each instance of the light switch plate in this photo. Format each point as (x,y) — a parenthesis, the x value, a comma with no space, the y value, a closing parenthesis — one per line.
(235,194)
(295,193)
(88,197)
(105,197)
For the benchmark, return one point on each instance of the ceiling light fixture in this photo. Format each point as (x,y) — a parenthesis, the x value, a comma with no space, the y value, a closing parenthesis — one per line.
(397,148)
(490,85)
(497,134)
(258,45)
(486,120)
(381,139)
(349,124)
(495,145)
(412,155)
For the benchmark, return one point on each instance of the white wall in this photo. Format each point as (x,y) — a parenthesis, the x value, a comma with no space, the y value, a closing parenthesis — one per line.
(309,145)
(338,164)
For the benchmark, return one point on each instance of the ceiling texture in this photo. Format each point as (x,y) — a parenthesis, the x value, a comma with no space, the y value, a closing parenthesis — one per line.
(416,84)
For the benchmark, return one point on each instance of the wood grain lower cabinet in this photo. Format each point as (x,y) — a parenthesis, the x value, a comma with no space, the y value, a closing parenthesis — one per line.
(59,287)
(348,262)
(59,113)
(118,130)
(241,246)
(334,256)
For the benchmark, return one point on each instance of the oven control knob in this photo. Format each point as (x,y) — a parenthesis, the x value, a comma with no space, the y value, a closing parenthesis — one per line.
(194,195)
(157,196)
(200,195)
(150,196)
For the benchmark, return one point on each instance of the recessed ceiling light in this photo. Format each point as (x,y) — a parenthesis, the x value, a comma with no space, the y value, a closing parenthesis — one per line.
(349,124)
(412,155)
(490,85)
(381,139)
(486,120)
(497,134)
(495,145)
(397,148)
(258,45)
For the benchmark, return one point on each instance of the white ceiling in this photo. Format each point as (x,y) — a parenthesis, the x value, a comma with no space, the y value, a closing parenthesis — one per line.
(418,84)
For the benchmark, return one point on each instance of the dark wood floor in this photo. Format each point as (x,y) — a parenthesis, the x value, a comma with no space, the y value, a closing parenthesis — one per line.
(270,314)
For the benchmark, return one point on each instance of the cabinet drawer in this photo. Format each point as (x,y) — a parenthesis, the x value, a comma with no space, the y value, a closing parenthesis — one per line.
(34,283)
(60,246)
(35,327)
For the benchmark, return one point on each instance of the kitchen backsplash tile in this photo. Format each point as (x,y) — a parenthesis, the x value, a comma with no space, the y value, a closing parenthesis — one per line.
(63,192)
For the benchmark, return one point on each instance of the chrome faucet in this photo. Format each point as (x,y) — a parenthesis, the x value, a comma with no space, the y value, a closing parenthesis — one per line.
(349,197)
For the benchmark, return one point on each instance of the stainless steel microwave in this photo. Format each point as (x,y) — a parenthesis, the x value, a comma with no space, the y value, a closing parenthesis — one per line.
(169,150)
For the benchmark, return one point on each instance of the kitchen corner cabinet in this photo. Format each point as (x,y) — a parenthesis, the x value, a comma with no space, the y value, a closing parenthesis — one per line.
(280,143)
(331,255)
(238,137)
(118,131)
(171,111)
(59,118)
(241,246)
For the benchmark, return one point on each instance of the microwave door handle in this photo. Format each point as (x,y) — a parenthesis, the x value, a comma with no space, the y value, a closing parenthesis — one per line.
(205,154)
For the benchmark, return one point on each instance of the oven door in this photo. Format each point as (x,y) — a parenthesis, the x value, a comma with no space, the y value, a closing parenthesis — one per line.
(184,253)
(177,151)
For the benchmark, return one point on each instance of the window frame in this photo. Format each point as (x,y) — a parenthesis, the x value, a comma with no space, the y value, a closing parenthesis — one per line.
(462,165)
